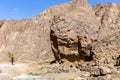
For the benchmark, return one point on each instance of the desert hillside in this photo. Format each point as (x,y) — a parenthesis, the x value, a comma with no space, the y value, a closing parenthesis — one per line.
(71,41)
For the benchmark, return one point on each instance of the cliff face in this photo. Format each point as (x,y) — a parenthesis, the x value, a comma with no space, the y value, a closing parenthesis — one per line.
(72,31)
(26,39)
(109,16)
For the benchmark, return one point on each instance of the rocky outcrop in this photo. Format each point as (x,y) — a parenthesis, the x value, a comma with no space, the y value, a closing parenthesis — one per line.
(109,16)
(26,39)
(70,32)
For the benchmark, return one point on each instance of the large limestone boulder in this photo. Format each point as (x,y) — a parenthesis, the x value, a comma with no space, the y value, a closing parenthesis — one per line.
(74,28)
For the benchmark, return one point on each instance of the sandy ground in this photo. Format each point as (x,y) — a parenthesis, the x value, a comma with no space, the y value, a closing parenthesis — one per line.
(7,70)
(45,71)
(20,71)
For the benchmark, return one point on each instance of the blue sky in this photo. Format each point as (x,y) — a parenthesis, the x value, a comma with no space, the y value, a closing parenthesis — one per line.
(19,9)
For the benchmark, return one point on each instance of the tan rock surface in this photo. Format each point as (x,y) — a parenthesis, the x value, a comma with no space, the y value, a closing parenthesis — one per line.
(26,39)
(73,33)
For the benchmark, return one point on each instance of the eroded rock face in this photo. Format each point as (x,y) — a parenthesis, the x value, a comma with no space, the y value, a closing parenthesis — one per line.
(109,16)
(27,40)
(72,32)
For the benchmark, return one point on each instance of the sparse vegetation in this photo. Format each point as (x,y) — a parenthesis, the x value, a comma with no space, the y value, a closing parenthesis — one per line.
(35,73)
(10,54)
(11,57)
(110,40)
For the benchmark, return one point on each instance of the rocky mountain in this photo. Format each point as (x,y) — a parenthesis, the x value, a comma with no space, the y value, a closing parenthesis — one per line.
(71,32)
(25,39)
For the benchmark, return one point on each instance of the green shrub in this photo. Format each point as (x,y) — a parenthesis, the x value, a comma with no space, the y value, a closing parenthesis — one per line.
(10,54)
(110,40)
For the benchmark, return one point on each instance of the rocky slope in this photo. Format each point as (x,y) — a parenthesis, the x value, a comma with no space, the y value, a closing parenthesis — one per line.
(73,34)
(25,39)
(109,16)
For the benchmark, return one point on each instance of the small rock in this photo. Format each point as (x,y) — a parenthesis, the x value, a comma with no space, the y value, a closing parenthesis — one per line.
(112,77)
(100,71)
(95,71)
(118,61)
(26,77)
(105,70)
